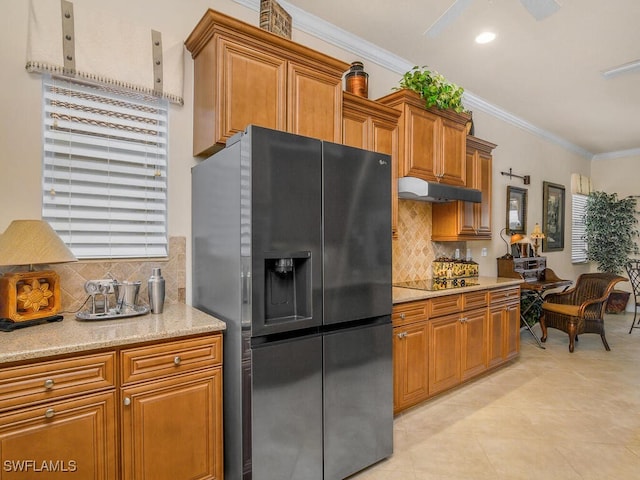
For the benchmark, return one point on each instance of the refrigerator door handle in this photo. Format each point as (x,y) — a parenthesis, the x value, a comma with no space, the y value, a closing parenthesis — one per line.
(246,287)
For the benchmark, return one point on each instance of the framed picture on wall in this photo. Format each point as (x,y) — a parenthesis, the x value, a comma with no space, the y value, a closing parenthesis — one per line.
(552,217)
(516,210)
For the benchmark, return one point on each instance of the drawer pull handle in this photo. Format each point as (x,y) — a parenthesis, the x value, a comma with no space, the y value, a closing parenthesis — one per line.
(402,335)
(402,316)
(464,319)
(48,383)
(177,360)
(126,401)
(49,413)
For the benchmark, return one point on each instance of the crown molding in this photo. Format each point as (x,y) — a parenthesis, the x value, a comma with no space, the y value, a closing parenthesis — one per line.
(619,154)
(349,42)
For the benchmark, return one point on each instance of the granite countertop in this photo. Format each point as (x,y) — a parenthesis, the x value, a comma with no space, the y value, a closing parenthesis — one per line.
(402,295)
(71,335)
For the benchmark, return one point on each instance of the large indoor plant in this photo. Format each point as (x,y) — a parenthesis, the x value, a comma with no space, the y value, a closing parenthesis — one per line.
(434,89)
(611,233)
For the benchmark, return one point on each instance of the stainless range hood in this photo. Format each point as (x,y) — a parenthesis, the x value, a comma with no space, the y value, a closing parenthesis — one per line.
(412,188)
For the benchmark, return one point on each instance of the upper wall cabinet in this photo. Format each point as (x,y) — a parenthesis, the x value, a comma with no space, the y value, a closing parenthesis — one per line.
(372,126)
(432,141)
(245,75)
(465,220)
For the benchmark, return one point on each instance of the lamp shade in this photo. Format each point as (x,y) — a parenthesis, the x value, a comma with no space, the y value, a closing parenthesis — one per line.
(537,232)
(516,238)
(31,242)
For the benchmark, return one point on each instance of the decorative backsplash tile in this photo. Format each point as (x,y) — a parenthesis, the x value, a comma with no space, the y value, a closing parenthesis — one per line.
(74,275)
(413,250)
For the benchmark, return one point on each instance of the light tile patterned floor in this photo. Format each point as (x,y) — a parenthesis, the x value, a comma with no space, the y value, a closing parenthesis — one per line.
(548,415)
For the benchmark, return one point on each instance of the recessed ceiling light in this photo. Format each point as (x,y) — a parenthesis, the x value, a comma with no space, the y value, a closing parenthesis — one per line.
(485,37)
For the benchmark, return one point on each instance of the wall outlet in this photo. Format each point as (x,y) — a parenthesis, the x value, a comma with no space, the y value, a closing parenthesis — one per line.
(483,252)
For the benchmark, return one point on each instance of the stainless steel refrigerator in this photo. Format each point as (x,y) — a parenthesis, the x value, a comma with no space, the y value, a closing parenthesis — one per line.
(292,249)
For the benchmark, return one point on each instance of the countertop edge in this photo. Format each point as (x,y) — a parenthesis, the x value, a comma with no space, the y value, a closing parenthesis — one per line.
(71,336)
(404,295)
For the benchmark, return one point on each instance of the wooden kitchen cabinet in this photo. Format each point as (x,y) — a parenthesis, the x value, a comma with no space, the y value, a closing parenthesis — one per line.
(65,412)
(60,415)
(432,141)
(446,340)
(245,75)
(369,125)
(171,404)
(504,325)
(461,221)
(410,365)
(457,345)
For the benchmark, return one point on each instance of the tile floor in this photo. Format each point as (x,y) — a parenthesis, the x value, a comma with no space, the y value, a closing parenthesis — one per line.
(548,415)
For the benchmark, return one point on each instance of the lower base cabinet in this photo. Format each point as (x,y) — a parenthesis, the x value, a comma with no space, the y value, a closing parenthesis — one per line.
(59,418)
(443,341)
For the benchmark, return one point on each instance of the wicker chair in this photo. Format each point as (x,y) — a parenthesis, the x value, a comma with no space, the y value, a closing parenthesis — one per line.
(633,269)
(580,309)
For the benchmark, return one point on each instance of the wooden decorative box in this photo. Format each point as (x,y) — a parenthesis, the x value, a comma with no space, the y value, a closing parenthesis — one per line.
(29,295)
(274,18)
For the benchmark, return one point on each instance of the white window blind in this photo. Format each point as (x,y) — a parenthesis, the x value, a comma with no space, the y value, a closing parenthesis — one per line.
(578,240)
(105,169)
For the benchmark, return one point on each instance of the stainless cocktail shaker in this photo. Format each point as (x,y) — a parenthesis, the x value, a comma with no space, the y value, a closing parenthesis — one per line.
(156,291)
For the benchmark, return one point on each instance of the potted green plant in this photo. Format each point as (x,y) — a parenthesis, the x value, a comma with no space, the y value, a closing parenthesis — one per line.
(434,89)
(611,232)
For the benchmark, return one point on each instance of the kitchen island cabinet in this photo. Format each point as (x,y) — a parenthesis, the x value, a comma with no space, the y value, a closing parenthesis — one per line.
(432,141)
(461,221)
(245,75)
(447,338)
(116,399)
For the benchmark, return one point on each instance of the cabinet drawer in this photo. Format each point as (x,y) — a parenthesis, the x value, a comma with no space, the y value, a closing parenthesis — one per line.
(156,361)
(504,295)
(473,300)
(445,305)
(406,313)
(42,381)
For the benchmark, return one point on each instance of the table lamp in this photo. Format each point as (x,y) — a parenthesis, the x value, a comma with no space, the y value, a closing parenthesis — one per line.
(536,235)
(515,238)
(30,297)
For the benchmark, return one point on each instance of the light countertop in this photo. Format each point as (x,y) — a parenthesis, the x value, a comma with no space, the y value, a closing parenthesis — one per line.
(402,295)
(71,335)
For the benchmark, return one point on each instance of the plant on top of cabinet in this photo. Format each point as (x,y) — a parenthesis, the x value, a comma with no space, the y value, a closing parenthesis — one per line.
(434,89)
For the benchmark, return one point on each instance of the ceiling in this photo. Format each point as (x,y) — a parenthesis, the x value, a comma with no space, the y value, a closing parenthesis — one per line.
(544,75)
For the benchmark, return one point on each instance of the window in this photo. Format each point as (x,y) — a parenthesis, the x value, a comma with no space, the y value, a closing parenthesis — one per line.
(105,169)
(578,240)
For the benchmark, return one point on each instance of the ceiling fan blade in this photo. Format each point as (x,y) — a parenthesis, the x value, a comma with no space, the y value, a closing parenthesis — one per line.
(447,18)
(541,9)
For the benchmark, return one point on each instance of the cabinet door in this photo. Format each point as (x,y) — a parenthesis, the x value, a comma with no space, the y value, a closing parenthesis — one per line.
(444,353)
(468,211)
(173,428)
(474,343)
(355,126)
(61,440)
(410,361)
(384,139)
(314,103)
(235,86)
(484,164)
(495,345)
(512,330)
(421,155)
(452,153)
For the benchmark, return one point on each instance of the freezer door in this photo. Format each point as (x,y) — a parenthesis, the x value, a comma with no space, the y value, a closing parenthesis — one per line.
(358,399)
(287,410)
(357,233)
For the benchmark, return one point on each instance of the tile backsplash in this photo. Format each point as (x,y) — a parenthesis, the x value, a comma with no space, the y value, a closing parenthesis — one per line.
(74,275)
(413,250)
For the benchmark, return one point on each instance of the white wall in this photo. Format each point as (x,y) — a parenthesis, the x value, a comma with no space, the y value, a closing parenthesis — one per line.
(20,142)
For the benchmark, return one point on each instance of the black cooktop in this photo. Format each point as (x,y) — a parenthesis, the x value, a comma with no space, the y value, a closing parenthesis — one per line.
(432,284)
